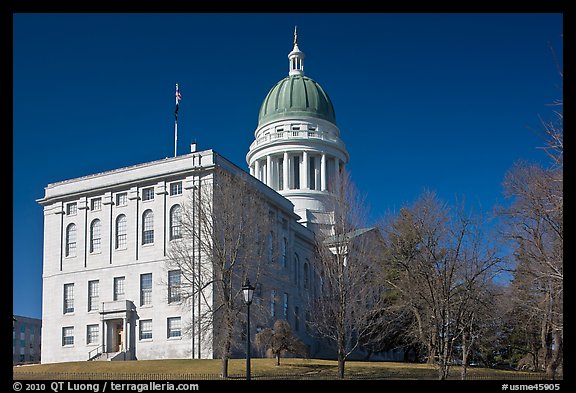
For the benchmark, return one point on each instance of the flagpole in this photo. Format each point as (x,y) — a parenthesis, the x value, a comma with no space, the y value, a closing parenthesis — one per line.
(175,135)
(178,98)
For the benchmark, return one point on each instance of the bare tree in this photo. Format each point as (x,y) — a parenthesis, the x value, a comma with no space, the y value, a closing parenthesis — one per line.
(534,224)
(280,339)
(222,241)
(347,262)
(439,267)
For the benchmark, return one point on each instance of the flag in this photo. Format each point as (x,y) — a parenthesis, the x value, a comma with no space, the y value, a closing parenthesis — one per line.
(178,98)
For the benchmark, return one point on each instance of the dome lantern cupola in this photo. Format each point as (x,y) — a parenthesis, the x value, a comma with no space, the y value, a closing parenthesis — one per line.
(296,57)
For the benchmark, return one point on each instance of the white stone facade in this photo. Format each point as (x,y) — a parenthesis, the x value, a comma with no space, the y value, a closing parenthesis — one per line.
(106,291)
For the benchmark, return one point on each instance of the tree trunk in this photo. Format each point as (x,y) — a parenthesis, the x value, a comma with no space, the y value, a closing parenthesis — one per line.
(341,364)
(556,356)
(278,358)
(224,367)
(464,358)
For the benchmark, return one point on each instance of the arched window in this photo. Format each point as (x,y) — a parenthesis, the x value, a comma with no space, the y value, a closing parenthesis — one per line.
(284,246)
(71,240)
(95,236)
(306,273)
(121,235)
(296,270)
(175,222)
(148,227)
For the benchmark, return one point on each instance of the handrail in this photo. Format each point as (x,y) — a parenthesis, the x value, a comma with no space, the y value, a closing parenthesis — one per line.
(98,352)
(295,134)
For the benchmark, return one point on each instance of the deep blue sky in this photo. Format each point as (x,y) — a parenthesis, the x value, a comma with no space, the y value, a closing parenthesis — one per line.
(446,102)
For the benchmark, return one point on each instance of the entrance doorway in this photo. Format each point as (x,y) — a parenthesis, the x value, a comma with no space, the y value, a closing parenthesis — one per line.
(118,337)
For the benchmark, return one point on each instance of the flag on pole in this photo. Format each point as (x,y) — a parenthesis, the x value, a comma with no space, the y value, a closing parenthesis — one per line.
(178,98)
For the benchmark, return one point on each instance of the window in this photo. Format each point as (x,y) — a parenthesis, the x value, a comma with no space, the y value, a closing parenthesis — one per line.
(148,194)
(68,298)
(67,336)
(122,199)
(71,240)
(145,289)
(146,329)
(96,204)
(285,306)
(92,334)
(296,270)
(296,318)
(71,209)
(306,273)
(258,294)
(175,222)
(271,247)
(284,243)
(312,173)
(273,303)
(296,173)
(148,227)
(176,188)
(281,174)
(118,288)
(95,236)
(174,327)
(174,280)
(121,233)
(93,295)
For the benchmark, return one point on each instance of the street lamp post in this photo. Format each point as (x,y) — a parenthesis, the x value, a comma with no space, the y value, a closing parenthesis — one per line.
(248,291)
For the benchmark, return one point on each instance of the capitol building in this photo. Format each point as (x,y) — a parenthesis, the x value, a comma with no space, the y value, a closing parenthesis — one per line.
(108,291)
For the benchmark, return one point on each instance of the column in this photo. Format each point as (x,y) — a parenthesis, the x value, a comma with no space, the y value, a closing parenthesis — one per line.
(251,170)
(102,333)
(304,172)
(336,174)
(257,169)
(285,171)
(125,334)
(323,173)
(269,170)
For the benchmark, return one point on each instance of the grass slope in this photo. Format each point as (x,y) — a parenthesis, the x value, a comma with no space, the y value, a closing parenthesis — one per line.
(265,368)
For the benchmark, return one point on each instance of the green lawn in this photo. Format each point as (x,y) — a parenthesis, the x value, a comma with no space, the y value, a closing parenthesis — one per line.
(263,368)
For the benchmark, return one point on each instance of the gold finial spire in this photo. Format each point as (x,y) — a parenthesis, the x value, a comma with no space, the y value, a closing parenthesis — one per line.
(296,35)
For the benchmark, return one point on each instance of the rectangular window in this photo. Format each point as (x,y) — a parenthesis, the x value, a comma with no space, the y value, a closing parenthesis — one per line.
(71,209)
(176,188)
(118,288)
(285,306)
(93,295)
(258,294)
(296,173)
(67,336)
(281,173)
(92,334)
(146,329)
(296,319)
(121,199)
(174,327)
(312,173)
(273,303)
(174,281)
(68,298)
(148,194)
(145,289)
(96,204)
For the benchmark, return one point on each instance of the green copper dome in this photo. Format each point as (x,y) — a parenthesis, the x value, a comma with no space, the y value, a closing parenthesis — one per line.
(296,96)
